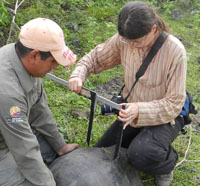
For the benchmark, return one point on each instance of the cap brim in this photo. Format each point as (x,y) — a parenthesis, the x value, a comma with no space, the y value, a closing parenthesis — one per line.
(64,57)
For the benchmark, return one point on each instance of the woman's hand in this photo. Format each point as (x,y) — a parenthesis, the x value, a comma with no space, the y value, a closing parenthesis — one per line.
(75,84)
(129,114)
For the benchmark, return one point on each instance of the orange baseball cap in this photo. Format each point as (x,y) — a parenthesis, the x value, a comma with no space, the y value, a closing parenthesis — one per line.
(45,35)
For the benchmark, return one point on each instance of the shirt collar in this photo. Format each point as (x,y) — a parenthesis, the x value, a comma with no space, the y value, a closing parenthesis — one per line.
(27,81)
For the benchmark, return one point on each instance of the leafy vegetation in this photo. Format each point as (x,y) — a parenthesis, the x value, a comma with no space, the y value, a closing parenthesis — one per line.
(4,20)
(87,23)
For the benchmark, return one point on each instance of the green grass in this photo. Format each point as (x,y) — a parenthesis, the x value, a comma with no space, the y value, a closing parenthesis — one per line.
(96,22)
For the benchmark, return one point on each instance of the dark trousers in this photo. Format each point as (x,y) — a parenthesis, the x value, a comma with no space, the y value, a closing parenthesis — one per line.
(149,148)
(47,152)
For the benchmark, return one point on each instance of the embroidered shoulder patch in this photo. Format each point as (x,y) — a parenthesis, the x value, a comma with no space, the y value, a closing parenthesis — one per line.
(15,111)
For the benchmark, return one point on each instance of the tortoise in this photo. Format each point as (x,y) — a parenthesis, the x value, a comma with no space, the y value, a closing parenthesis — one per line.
(94,167)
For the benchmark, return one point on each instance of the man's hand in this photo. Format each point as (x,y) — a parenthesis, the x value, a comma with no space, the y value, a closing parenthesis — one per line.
(67,148)
(75,84)
(129,114)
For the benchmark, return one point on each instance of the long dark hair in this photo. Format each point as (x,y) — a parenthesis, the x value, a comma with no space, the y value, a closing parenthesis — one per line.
(136,20)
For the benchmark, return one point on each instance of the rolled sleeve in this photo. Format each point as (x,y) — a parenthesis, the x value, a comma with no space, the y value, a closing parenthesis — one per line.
(102,57)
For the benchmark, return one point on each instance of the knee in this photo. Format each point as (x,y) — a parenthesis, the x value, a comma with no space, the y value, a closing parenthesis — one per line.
(142,154)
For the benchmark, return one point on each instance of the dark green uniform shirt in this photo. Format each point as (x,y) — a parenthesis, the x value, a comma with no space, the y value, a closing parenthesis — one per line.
(23,107)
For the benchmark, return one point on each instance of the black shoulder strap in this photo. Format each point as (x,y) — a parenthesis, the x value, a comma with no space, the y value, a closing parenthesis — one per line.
(154,49)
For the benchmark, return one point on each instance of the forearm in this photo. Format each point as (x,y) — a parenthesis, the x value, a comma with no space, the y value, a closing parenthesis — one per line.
(36,172)
(41,120)
(102,57)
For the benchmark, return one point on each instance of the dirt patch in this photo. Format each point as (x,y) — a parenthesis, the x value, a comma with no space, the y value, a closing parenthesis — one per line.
(110,88)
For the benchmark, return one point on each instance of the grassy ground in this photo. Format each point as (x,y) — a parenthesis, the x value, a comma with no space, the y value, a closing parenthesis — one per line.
(88,23)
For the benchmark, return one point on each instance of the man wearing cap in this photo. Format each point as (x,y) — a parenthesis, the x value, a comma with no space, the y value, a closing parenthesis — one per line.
(29,138)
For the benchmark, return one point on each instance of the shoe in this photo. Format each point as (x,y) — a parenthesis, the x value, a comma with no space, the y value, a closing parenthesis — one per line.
(164,179)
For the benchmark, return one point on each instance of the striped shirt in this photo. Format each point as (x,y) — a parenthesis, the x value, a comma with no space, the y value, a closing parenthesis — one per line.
(159,93)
